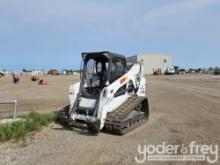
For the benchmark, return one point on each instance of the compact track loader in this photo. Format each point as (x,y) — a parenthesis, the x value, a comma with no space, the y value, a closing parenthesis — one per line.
(108,96)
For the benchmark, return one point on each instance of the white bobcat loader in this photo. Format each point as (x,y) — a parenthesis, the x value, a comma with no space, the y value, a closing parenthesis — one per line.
(108,96)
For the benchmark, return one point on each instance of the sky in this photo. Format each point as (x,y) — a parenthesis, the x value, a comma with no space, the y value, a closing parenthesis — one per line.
(46,34)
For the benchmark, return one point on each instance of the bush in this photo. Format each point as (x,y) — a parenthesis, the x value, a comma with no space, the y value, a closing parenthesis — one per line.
(32,122)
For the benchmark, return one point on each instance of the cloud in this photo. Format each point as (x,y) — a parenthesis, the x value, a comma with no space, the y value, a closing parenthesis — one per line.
(65,26)
(64,15)
(184,7)
(124,19)
(181,20)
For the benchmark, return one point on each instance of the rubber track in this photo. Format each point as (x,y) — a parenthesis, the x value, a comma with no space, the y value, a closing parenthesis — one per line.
(115,121)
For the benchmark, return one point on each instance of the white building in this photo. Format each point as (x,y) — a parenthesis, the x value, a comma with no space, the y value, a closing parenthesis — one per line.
(152,61)
(37,73)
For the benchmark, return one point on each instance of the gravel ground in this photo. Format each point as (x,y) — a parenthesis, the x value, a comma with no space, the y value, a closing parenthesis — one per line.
(183,108)
(34,97)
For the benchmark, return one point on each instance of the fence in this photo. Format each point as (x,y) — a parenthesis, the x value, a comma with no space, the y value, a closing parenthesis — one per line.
(11,102)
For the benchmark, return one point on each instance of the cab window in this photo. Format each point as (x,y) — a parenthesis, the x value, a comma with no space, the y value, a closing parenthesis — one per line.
(117,70)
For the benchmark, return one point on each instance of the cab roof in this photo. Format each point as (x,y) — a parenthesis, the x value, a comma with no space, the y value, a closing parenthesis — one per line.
(107,54)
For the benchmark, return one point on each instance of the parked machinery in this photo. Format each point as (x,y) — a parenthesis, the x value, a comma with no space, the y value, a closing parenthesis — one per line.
(108,96)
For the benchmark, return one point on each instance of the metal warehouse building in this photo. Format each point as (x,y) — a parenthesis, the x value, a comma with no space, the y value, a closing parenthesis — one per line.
(152,61)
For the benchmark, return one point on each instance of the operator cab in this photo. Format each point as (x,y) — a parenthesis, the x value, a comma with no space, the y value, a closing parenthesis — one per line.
(99,70)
